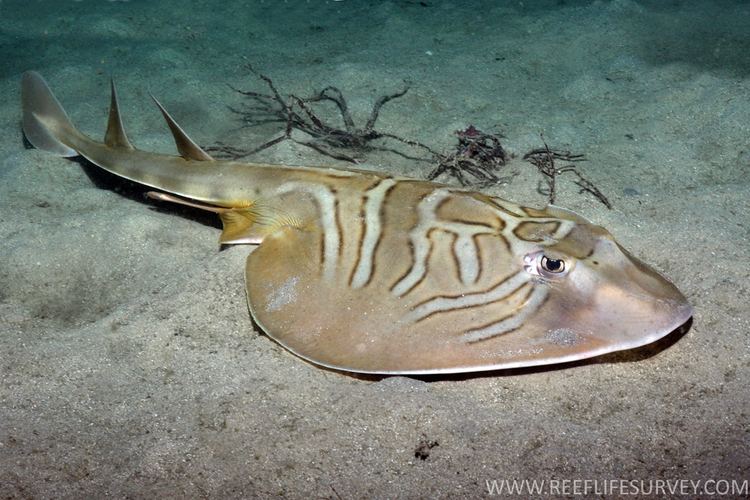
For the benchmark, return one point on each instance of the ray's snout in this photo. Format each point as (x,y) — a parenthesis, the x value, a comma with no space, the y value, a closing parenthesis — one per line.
(636,305)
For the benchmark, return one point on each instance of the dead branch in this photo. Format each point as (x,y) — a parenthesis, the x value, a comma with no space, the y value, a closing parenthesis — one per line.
(476,160)
(298,114)
(544,160)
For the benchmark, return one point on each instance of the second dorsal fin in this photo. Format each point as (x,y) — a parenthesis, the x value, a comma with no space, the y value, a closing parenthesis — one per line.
(185,145)
(115,136)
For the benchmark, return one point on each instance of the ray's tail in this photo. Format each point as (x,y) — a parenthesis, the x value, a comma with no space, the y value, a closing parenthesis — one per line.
(179,179)
(45,122)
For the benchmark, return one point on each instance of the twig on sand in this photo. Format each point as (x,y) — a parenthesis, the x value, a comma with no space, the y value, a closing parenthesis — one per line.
(544,160)
(297,113)
(476,161)
(477,158)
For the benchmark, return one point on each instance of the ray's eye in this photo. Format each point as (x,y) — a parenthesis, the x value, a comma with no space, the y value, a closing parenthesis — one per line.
(539,264)
(554,266)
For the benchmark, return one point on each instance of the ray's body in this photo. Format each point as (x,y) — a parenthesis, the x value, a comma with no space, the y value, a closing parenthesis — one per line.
(361,271)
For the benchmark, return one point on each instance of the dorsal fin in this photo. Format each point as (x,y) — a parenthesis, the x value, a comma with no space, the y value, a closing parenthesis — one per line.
(185,145)
(115,136)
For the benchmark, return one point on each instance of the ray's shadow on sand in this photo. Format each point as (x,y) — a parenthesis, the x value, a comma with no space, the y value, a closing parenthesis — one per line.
(137,192)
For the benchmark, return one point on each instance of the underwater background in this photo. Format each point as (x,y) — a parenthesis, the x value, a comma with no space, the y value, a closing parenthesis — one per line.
(129,365)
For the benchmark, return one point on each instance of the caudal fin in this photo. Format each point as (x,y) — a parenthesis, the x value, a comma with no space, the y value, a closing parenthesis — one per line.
(45,122)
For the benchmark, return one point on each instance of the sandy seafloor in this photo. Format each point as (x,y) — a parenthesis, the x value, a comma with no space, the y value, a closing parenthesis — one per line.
(130,366)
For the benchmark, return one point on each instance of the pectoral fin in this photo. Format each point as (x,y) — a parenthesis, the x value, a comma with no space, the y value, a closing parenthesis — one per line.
(315,316)
(284,288)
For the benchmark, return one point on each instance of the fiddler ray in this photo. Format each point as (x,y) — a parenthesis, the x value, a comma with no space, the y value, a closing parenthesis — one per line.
(367,272)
